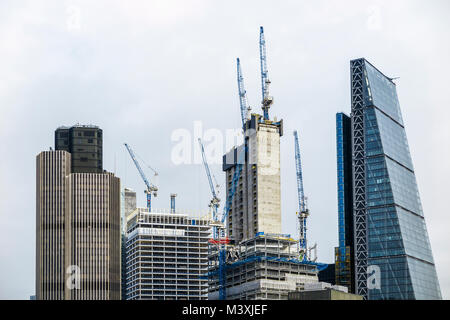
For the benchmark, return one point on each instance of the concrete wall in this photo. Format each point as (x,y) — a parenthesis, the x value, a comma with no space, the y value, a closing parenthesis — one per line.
(256,205)
(327,294)
(268,197)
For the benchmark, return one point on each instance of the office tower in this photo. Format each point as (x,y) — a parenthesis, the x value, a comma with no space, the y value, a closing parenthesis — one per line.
(129,200)
(128,206)
(77,231)
(52,168)
(93,237)
(328,275)
(84,142)
(392,253)
(344,259)
(167,256)
(256,206)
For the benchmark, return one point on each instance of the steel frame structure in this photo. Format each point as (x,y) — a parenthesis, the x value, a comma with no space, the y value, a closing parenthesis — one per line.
(357,68)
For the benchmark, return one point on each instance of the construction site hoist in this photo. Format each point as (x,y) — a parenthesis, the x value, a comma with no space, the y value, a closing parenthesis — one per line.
(267,100)
(151,189)
(303,211)
(245,108)
(215,201)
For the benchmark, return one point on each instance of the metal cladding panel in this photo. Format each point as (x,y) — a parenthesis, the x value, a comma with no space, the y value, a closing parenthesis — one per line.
(229,160)
(51,169)
(94,236)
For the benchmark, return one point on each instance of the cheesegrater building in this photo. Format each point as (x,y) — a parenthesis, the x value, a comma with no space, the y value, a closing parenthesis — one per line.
(384,251)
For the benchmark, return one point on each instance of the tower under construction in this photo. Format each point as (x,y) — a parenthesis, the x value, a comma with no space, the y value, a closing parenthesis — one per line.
(256,206)
(254,260)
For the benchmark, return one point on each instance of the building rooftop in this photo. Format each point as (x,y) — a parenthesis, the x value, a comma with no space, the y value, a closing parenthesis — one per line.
(91,126)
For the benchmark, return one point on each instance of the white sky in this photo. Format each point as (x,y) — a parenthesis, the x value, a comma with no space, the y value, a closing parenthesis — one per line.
(142,69)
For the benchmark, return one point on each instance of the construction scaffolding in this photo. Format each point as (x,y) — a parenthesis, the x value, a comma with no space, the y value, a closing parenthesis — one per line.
(261,268)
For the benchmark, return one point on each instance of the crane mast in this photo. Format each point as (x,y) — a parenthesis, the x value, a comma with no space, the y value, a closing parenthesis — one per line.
(303,211)
(267,100)
(245,108)
(151,189)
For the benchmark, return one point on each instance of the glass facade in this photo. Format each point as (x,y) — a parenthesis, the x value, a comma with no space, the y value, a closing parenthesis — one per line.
(395,240)
(344,271)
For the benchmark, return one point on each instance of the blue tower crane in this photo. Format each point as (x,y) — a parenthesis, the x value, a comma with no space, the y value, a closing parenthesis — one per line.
(303,211)
(151,189)
(215,201)
(245,108)
(267,100)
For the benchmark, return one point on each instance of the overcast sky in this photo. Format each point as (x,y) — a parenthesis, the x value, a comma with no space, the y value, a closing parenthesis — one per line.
(142,69)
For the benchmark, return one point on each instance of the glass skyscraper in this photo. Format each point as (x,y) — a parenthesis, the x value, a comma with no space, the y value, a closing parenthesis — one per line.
(382,231)
(344,258)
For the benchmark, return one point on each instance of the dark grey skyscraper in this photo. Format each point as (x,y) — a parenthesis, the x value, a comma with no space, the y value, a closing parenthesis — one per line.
(85,146)
(390,245)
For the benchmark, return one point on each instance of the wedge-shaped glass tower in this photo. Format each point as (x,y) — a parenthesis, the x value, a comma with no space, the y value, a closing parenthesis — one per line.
(390,250)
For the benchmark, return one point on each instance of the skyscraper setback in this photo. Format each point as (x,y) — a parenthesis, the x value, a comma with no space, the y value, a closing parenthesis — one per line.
(77,229)
(382,231)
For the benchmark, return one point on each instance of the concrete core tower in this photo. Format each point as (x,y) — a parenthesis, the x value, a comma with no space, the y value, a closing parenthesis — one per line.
(256,206)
